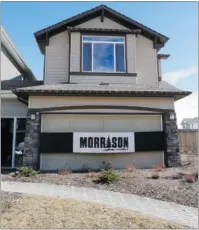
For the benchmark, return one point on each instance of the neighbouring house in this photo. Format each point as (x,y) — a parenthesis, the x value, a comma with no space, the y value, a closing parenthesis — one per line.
(14,74)
(103,99)
(190,123)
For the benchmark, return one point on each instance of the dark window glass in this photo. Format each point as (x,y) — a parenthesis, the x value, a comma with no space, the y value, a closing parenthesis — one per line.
(21,124)
(20,138)
(119,50)
(87,57)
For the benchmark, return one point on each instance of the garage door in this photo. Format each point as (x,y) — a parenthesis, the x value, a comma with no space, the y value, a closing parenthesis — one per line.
(62,123)
(100,123)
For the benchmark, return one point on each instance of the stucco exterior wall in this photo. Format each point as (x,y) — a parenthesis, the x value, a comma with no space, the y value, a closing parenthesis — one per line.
(146,61)
(96,23)
(131,53)
(98,79)
(75,52)
(12,107)
(56,59)
(53,101)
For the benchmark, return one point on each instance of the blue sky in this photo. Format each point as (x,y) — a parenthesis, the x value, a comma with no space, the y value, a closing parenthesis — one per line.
(177,20)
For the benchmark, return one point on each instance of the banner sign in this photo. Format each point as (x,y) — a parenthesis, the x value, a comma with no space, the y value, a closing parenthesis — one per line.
(103,142)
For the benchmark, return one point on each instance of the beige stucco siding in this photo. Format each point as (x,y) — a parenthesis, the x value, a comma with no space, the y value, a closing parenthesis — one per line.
(57,59)
(76,161)
(96,23)
(12,107)
(146,61)
(53,101)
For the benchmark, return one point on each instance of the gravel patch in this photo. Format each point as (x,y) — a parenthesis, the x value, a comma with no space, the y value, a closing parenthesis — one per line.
(171,185)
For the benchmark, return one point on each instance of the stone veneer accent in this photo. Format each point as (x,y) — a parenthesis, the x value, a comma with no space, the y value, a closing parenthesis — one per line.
(31,145)
(172,149)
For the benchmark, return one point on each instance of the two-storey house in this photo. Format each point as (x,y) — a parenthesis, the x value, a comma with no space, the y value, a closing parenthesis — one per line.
(190,123)
(103,99)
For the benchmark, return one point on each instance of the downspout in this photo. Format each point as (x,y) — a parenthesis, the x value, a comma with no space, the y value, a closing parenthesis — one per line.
(69,35)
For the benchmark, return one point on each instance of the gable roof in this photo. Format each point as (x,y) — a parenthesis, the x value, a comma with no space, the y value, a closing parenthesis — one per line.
(189,120)
(195,120)
(43,34)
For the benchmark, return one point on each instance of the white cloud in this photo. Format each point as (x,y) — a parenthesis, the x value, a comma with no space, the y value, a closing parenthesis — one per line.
(175,76)
(187,107)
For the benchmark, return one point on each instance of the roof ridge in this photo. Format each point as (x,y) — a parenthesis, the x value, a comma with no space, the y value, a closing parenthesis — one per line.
(92,13)
(67,19)
(191,119)
(136,22)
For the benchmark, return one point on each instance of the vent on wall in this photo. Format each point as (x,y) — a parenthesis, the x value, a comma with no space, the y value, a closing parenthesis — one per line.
(71,83)
(104,83)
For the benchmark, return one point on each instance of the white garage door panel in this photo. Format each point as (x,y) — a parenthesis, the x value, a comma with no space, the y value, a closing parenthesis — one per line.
(71,123)
(100,123)
(118,161)
(86,124)
(55,123)
(136,123)
(95,123)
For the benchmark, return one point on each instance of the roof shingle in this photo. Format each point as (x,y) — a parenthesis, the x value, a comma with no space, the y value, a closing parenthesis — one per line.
(164,89)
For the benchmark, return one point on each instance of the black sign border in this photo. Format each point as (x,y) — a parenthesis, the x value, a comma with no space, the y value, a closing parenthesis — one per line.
(63,142)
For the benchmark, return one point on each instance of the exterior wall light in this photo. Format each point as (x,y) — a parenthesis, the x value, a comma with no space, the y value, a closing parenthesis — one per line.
(32,116)
(172,116)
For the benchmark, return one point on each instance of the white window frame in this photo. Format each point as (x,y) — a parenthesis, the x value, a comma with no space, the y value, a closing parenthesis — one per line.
(103,42)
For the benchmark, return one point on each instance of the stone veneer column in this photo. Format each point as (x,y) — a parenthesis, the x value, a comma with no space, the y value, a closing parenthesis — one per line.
(31,143)
(172,150)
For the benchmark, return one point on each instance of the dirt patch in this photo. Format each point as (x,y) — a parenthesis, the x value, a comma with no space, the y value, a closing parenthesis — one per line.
(55,213)
(170,186)
(8,199)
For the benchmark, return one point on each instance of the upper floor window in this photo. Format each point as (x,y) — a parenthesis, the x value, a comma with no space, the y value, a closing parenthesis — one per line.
(103,54)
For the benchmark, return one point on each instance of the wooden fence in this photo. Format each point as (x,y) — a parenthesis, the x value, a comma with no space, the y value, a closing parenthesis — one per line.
(188,141)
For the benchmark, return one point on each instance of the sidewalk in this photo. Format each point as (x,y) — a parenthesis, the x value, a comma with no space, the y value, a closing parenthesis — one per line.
(183,215)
